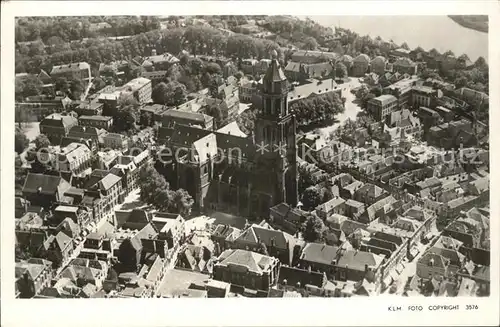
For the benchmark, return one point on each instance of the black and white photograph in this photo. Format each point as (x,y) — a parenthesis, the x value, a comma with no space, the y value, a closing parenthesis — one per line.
(251,156)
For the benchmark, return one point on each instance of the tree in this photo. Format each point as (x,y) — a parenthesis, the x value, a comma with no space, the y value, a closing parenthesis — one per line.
(76,89)
(126,114)
(21,142)
(464,57)
(481,63)
(311,198)
(172,93)
(340,70)
(42,142)
(32,86)
(98,83)
(213,68)
(61,84)
(310,43)
(449,53)
(182,202)
(433,52)
(405,46)
(313,228)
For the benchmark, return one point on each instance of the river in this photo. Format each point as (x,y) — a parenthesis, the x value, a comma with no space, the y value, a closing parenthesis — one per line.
(428,32)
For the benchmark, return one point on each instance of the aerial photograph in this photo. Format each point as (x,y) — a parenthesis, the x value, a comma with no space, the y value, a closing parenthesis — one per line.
(251,156)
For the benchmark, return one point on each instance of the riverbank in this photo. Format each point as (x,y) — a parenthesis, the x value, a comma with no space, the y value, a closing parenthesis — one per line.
(477,23)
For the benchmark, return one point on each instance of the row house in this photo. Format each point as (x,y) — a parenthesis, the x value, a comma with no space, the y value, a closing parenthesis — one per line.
(333,206)
(75,158)
(74,71)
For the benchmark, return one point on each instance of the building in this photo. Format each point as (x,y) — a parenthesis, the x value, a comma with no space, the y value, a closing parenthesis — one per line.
(159,62)
(300,72)
(423,96)
(333,206)
(32,277)
(355,265)
(360,65)
(140,88)
(246,269)
(401,89)
(82,132)
(103,122)
(75,158)
(382,106)
(79,71)
(320,258)
(229,184)
(173,117)
(405,66)
(44,190)
(57,126)
(115,141)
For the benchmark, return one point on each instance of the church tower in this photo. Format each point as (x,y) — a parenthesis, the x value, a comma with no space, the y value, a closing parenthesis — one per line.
(275,135)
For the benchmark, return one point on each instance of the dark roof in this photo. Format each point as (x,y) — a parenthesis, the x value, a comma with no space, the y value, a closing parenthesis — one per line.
(319,253)
(357,260)
(48,184)
(274,72)
(304,277)
(135,216)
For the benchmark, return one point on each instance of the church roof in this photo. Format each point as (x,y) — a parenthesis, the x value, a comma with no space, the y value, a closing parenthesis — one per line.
(274,72)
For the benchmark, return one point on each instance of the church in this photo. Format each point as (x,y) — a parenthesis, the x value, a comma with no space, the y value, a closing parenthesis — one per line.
(226,171)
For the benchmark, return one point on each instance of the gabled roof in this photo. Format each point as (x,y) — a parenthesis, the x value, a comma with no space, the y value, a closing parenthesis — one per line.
(274,73)
(357,260)
(433,259)
(319,253)
(256,234)
(255,262)
(108,181)
(46,184)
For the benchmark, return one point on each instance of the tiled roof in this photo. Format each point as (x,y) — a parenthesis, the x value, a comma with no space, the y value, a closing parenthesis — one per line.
(255,262)
(256,234)
(47,184)
(319,253)
(357,260)
(108,181)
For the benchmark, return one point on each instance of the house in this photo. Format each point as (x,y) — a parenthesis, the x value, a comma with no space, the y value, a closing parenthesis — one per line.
(84,271)
(69,227)
(312,56)
(75,158)
(355,265)
(354,209)
(360,65)
(224,237)
(32,276)
(115,141)
(93,133)
(369,194)
(195,258)
(44,190)
(79,214)
(131,251)
(246,269)
(278,243)
(99,122)
(57,126)
(159,62)
(380,209)
(432,266)
(335,205)
(58,249)
(140,88)
(319,257)
(286,217)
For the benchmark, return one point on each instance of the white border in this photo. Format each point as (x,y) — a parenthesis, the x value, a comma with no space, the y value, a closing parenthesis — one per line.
(222,312)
